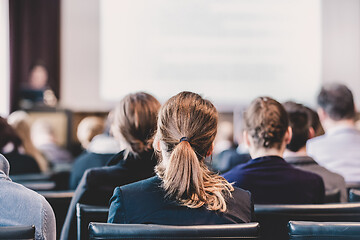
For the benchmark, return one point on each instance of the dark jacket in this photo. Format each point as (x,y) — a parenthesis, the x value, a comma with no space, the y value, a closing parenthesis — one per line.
(271,180)
(86,161)
(145,202)
(331,180)
(21,163)
(97,184)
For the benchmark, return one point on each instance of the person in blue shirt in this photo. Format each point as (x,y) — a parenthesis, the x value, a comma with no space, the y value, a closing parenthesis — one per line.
(269,178)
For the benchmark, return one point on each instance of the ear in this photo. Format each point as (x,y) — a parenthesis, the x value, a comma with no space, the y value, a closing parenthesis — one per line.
(288,135)
(311,133)
(157,145)
(210,151)
(322,114)
(246,138)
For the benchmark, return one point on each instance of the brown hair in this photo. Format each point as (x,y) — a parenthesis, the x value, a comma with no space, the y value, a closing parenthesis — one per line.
(187,127)
(266,121)
(135,119)
(20,121)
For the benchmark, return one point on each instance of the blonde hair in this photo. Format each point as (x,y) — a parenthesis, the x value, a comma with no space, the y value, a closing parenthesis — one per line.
(187,127)
(88,128)
(135,120)
(19,120)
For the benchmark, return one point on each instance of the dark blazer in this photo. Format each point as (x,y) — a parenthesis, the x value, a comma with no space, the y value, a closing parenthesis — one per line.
(86,161)
(228,159)
(145,202)
(271,180)
(97,184)
(21,163)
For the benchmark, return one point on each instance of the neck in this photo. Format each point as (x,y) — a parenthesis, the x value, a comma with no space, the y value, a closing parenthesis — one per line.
(300,153)
(262,152)
(329,124)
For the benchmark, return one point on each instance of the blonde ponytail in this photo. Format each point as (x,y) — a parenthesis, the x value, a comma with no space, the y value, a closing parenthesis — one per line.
(185,177)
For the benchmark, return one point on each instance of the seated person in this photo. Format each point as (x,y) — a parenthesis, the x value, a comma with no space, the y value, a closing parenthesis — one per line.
(89,128)
(20,121)
(11,147)
(269,178)
(133,126)
(20,206)
(185,191)
(225,155)
(338,149)
(300,119)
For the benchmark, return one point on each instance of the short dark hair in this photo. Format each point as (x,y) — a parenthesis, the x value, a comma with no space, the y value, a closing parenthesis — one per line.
(300,121)
(337,101)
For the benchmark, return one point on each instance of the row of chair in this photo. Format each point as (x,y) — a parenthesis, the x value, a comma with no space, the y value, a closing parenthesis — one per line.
(297,230)
(273,219)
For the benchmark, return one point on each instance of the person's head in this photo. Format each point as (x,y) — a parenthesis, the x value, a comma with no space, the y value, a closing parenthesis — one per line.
(315,123)
(336,101)
(301,124)
(266,126)
(187,126)
(88,128)
(38,76)
(134,122)
(9,139)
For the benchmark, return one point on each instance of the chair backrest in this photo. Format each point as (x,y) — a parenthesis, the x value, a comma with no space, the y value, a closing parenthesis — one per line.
(354,195)
(332,196)
(86,214)
(273,219)
(59,201)
(151,231)
(323,230)
(17,232)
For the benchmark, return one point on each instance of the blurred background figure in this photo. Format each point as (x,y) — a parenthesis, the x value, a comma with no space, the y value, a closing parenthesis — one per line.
(37,92)
(302,122)
(11,147)
(338,149)
(43,136)
(225,155)
(19,120)
(97,152)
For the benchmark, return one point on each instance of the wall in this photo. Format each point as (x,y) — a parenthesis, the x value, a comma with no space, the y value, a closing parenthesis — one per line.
(80,55)
(4,58)
(341,43)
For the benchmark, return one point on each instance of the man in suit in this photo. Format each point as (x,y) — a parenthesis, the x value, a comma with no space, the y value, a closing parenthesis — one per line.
(338,149)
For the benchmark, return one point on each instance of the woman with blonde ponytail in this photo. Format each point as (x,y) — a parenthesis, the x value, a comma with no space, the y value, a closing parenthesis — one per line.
(184,192)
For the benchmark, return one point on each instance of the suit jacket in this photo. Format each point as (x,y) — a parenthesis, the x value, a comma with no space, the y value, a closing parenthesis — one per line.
(21,163)
(271,180)
(145,202)
(331,180)
(338,150)
(86,161)
(97,184)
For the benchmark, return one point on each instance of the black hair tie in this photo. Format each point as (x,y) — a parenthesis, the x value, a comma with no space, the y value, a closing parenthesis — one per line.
(184,139)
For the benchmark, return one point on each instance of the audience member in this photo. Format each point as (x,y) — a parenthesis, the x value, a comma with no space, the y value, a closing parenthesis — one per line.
(133,126)
(44,138)
(338,149)
(19,120)
(269,178)
(22,206)
(88,128)
(11,147)
(225,155)
(184,192)
(301,119)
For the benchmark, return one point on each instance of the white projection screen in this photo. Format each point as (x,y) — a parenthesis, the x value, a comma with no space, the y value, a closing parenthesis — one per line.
(230,51)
